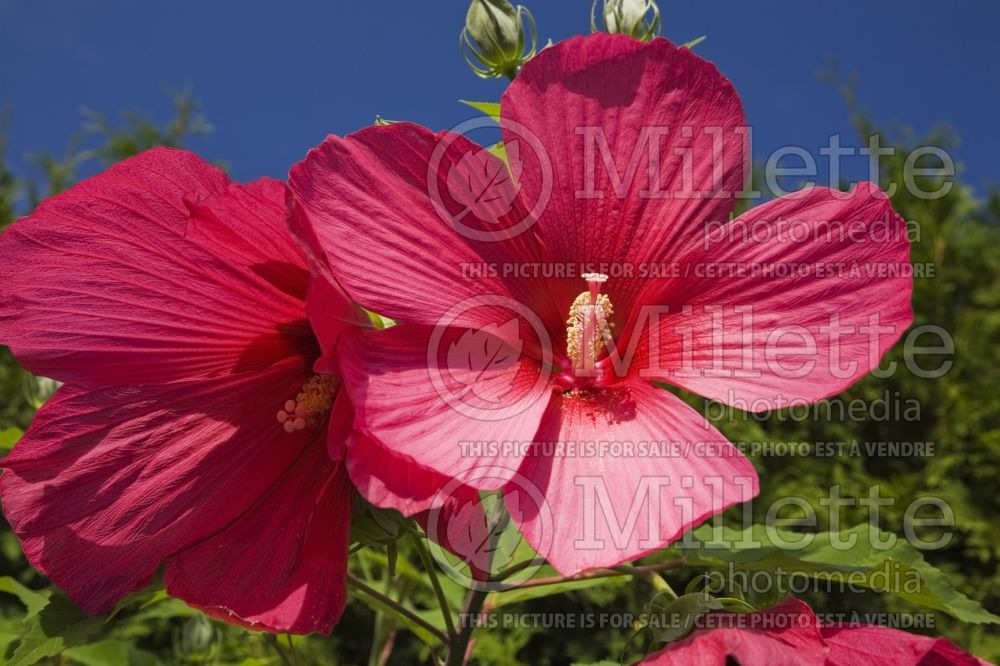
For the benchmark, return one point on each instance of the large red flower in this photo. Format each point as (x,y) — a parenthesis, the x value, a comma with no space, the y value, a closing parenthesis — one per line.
(173,304)
(791,635)
(505,339)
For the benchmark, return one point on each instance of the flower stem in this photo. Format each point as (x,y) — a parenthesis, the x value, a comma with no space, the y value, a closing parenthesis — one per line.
(514,569)
(425,558)
(652,576)
(460,646)
(383,631)
(273,640)
(364,588)
(623,570)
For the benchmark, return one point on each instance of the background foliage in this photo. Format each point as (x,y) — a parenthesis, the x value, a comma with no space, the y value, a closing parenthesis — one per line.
(959,412)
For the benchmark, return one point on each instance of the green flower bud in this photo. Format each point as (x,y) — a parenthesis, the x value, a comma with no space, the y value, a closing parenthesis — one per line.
(636,18)
(197,642)
(373,526)
(498,38)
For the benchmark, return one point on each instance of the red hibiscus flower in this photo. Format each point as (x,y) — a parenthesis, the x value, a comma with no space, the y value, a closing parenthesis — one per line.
(192,429)
(544,302)
(791,635)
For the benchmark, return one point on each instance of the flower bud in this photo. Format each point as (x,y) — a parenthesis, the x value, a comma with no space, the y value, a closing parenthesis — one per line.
(197,641)
(498,38)
(636,18)
(373,526)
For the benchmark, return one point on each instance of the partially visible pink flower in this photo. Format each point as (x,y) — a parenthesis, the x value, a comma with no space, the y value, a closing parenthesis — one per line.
(791,635)
(371,204)
(193,430)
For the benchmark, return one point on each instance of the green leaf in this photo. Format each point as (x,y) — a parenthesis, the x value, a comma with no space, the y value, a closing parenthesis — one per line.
(499,150)
(102,653)
(898,569)
(403,567)
(7,638)
(165,609)
(379,321)
(32,600)
(694,42)
(58,626)
(521,594)
(9,437)
(680,614)
(147,596)
(491,109)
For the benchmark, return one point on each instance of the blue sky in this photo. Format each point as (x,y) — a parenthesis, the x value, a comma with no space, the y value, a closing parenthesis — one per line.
(275,78)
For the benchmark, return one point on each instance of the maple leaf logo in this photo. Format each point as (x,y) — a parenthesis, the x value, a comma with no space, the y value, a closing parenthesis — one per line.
(484,184)
(475,533)
(485,361)
(469,534)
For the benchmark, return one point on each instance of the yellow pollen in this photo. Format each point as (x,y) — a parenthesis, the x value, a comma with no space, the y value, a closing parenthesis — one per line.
(588,329)
(310,405)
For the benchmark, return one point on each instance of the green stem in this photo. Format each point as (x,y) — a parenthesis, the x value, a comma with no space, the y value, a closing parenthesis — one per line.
(517,568)
(425,558)
(273,640)
(460,645)
(381,629)
(364,588)
(624,570)
(651,576)
(291,650)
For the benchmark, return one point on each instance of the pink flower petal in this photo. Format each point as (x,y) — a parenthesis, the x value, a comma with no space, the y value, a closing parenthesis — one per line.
(585,90)
(786,635)
(436,413)
(330,312)
(107,483)
(105,289)
(340,426)
(281,566)
(328,307)
(790,635)
(882,646)
(654,493)
(248,223)
(449,512)
(364,207)
(812,334)
(392,480)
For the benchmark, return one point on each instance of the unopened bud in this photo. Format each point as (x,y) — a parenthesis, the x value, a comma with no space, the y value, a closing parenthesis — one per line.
(374,527)
(636,18)
(498,38)
(197,641)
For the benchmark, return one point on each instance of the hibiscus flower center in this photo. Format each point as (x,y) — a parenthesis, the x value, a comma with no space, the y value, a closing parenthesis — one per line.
(310,405)
(588,329)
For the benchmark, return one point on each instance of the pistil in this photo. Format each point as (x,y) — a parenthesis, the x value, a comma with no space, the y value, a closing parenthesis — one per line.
(588,329)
